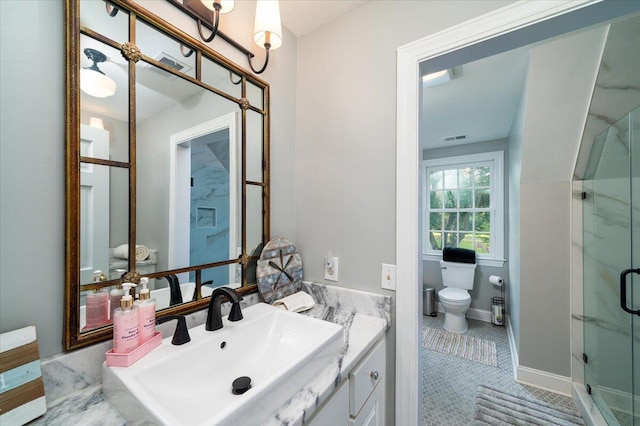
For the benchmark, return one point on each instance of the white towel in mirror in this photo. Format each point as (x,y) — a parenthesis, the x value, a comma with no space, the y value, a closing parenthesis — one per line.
(122,252)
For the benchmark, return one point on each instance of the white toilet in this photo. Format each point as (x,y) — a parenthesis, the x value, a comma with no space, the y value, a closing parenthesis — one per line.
(455,298)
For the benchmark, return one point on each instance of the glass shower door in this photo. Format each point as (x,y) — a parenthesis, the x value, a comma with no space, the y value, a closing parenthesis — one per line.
(608,233)
(634,279)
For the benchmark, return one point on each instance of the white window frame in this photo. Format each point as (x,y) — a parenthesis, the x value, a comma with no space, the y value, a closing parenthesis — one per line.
(497,196)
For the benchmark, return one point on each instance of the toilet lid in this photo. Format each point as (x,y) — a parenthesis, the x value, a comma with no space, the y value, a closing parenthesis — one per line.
(454,294)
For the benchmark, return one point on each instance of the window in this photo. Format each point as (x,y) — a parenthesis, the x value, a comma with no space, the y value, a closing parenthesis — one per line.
(464,206)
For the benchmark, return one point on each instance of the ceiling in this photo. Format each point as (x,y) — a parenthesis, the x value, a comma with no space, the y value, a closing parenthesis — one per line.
(479,102)
(304,16)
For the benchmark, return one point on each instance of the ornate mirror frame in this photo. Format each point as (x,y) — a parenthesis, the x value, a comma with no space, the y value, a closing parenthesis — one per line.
(73,337)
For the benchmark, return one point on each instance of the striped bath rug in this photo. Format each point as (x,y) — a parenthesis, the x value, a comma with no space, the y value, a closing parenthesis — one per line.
(467,347)
(496,407)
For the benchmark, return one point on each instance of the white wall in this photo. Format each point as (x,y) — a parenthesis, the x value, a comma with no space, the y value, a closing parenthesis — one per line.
(345,139)
(559,84)
(32,143)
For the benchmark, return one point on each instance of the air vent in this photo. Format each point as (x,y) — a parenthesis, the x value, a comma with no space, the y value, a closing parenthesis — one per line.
(455,138)
(170,62)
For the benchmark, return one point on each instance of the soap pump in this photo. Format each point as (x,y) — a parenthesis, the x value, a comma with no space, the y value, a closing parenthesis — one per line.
(126,335)
(114,299)
(97,304)
(146,312)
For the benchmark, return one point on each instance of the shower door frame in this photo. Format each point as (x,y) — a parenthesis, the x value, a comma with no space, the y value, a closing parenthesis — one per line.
(609,256)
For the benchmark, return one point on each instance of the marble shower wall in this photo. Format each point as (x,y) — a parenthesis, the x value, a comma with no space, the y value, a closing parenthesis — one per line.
(601,223)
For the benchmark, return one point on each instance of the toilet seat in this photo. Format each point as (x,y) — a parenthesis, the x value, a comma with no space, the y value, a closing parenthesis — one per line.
(454,295)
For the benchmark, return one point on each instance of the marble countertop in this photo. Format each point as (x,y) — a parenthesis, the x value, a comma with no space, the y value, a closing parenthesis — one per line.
(361,333)
(88,406)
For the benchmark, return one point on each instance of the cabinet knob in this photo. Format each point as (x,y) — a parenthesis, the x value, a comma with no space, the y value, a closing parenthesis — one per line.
(374,375)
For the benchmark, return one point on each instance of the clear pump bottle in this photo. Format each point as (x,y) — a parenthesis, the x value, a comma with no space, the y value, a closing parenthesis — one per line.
(146,312)
(96,308)
(114,299)
(126,335)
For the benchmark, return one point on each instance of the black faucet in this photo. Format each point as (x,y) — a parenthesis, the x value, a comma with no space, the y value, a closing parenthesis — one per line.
(214,318)
(181,335)
(175,294)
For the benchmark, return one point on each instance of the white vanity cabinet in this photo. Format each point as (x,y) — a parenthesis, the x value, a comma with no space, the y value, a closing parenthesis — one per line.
(359,400)
(335,410)
(366,388)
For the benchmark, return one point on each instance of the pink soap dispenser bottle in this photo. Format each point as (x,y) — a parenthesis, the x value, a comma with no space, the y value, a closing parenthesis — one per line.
(146,312)
(126,335)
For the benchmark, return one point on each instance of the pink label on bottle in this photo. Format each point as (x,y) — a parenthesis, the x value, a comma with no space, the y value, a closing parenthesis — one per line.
(97,310)
(147,312)
(125,332)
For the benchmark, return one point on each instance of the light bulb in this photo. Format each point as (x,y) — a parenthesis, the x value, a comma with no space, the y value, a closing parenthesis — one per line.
(267,27)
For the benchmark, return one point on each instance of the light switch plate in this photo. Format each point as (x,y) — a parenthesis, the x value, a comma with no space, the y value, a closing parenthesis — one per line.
(331,268)
(388,276)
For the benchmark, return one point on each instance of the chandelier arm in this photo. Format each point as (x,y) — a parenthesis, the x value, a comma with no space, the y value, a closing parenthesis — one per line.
(216,14)
(186,55)
(266,61)
(231,78)
(111,9)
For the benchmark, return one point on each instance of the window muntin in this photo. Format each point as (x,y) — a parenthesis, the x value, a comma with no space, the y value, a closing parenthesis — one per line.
(464,205)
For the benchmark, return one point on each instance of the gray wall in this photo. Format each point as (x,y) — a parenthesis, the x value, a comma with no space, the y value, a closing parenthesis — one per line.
(32,178)
(557,98)
(346,140)
(482,291)
(515,164)
(32,165)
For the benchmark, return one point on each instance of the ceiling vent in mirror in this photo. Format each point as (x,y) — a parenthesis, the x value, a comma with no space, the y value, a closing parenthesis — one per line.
(169,61)
(455,138)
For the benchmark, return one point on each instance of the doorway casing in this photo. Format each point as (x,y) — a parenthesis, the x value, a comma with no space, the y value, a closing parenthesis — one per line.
(487,29)
(179,195)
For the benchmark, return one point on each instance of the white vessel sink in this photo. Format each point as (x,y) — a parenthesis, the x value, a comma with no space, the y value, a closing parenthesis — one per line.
(192,384)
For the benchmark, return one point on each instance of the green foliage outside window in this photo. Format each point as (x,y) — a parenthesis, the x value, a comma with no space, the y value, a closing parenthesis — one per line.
(459,208)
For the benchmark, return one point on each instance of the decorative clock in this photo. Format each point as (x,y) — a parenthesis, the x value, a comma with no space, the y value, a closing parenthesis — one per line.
(279,271)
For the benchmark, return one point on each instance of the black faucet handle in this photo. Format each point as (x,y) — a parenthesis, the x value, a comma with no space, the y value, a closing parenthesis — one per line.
(181,335)
(236,313)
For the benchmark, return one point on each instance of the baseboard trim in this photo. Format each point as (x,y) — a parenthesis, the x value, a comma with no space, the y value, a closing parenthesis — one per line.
(472,313)
(544,380)
(524,375)
(515,361)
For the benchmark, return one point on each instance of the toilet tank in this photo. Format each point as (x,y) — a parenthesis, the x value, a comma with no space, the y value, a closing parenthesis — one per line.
(458,275)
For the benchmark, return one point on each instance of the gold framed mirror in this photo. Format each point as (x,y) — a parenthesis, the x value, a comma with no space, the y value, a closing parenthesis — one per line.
(167,165)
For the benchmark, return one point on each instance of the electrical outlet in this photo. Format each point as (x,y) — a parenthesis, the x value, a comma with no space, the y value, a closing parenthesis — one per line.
(331,268)
(388,276)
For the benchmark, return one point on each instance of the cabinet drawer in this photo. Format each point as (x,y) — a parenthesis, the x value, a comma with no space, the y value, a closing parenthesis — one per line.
(365,376)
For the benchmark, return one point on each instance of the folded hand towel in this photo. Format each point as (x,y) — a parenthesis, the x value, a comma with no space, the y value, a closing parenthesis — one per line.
(122,252)
(142,252)
(297,302)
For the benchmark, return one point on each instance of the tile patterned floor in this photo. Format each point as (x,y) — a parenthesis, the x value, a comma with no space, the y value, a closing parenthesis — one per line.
(450,383)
